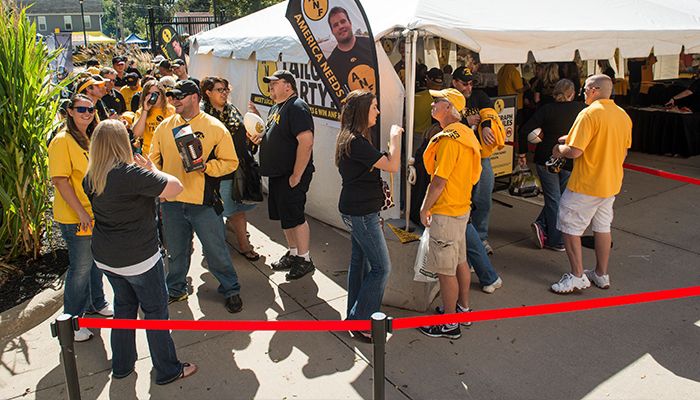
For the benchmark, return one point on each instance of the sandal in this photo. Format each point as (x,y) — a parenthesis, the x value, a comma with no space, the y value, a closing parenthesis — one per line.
(250,255)
(188,369)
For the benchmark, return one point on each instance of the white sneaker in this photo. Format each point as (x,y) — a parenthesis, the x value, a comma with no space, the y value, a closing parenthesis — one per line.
(602,281)
(83,335)
(106,311)
(492,287)
(570,283)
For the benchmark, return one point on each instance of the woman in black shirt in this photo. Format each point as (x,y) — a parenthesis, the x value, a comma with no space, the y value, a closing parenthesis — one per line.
(122,190)
(362,198)
(555,120)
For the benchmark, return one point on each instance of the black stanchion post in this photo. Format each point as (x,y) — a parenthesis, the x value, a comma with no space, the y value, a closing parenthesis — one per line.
(381,324)
(64,328)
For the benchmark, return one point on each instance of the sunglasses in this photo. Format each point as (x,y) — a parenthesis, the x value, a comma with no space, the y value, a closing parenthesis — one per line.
(180,96)
(587,89)
(83,110)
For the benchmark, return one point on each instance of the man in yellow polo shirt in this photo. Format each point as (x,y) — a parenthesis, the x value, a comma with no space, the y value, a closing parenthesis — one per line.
(598,140)
(453,161)
(197,209)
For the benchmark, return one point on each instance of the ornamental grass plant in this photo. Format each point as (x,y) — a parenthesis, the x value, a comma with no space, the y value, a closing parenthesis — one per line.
(28,109)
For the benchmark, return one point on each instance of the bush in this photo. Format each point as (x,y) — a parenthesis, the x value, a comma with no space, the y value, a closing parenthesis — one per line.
(28,106)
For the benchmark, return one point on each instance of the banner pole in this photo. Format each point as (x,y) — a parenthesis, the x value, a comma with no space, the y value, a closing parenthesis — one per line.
(64,328)
(381,324)
(410,93)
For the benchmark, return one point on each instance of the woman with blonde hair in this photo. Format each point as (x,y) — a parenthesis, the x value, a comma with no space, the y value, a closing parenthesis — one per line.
(122,189)
(361,199)
(68,162)
(555,120)
(153,109)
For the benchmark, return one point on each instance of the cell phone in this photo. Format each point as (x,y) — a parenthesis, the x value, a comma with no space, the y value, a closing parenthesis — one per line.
(153,98)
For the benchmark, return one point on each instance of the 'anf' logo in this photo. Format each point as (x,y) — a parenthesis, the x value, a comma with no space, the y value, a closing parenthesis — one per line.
(315,9)
(362,77)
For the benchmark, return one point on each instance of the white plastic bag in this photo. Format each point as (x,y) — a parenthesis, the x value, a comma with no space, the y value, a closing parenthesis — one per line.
(420,273)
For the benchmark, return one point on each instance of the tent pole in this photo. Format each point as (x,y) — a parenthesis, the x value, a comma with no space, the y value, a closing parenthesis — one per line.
(410,86)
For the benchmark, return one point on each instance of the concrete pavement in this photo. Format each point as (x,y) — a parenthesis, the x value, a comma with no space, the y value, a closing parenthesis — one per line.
(646,351)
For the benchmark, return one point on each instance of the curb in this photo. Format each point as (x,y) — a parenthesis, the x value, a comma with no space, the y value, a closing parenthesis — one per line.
(21,318)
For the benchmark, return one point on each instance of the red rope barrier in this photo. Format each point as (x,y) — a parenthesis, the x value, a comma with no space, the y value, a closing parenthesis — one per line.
(399,323)
(662,174)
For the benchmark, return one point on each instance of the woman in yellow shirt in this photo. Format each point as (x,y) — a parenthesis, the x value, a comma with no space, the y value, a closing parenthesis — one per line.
(68,161)
(153,109)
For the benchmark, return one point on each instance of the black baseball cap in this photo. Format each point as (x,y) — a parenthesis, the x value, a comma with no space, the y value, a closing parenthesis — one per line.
(282,74)
(92,62)
(463,74)
(435,75)
(178,62)
(184,87)
(164,64)
(118,59)
(131,78)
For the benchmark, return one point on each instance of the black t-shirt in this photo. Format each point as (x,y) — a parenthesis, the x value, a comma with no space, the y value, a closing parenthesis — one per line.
(556,120)
(343,62)
(115,101)
(136,101)
(125,216)
(362,192)
(278,149)
(692,101)
(120,82)
(477,101)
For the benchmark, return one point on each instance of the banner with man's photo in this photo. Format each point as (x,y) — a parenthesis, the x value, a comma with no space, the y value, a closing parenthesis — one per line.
(338,40)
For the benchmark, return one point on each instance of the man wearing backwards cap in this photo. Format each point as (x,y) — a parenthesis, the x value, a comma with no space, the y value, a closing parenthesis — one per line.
(198,208)
(119,65)
(477,100)
(453,162)
(286,157)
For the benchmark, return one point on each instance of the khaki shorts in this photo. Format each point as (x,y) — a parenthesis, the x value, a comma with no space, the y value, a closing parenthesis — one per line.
(448,244)
(577,211)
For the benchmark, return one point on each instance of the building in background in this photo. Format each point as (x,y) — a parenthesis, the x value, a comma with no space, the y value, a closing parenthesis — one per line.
(65,16)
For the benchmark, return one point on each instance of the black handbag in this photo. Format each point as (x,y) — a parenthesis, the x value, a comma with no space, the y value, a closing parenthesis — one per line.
(247,183)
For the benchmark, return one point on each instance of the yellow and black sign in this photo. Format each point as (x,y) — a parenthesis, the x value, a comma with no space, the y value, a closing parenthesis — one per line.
(315,10)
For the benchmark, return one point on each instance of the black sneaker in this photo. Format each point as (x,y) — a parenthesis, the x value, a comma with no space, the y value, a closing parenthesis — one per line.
(283,263)
(300,267)
(446,331)
(234,304)
(175,299)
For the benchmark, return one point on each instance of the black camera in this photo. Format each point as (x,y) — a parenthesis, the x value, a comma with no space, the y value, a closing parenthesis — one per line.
(554,164)
(153,99)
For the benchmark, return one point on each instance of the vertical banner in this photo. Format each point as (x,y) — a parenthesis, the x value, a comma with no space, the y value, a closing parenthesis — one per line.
(502,160)
(63,42)
(338,39)
(169,43)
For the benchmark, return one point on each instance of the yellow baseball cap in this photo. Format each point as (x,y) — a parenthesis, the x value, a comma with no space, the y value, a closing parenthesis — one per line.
(454,96)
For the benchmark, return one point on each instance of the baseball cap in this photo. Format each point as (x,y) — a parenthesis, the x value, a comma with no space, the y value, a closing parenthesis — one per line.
(184,88)
(118,59)
(158,59)
(452,95)
(164,64)
(178,62)
(89,82)
(100,78)
(282,74)
(463,74)
(435,75)
(92,62)
(131,78)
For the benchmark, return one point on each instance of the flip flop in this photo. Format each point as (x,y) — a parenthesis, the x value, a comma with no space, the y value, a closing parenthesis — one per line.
(188,369)
(250,255)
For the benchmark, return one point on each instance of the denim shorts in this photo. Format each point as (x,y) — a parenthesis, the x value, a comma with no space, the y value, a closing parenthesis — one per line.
(231,206)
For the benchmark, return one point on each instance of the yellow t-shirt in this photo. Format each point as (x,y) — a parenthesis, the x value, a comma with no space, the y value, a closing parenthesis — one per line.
(212,133)
(68,159)
(422,119)
(603,131)
(154,118)
(128,94)
(509,82)
(454,155)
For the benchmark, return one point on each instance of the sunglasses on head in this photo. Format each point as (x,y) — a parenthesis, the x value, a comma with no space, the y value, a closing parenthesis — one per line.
(82,109)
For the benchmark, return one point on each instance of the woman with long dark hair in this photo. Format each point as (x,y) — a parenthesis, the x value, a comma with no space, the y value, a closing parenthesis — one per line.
(361,199)
(215,92)
(68,162)
(122,189)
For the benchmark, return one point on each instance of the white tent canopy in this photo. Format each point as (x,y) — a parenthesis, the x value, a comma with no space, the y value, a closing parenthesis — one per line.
(504,33)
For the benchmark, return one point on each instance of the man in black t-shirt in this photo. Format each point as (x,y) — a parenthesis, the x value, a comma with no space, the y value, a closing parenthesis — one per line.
(286,158)
(119,65)
(351,60)
(688,98)
(113,100)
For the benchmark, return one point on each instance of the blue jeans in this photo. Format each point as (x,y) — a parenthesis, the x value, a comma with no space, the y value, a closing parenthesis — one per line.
(553,186)
(481,199)
(180,222)
(369,265)
(478,258)
(147,291)
(84,290)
